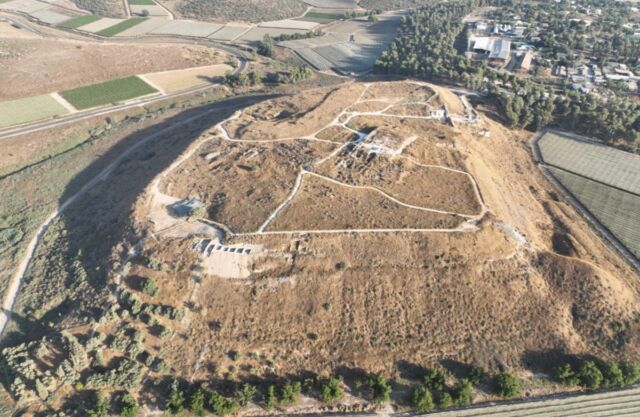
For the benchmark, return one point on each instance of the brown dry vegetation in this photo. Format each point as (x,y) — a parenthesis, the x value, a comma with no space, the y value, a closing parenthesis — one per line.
(36,66)
(246,182)
(300,115)
(323,205)
(533,278)
(487,297)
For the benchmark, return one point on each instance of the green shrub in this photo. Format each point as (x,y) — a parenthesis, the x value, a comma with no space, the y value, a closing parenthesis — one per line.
(176,404)
(220,405)
(507,385)
(246,394)
(290,392)
(332,391)
(435,379)
(100,406)
(612,375)
(380,388)
(149,287)
(565,375)
(590,375)
(270,399)
(477,375)
(631,372)
(445,400)
(463,392)
(128,406)
(196,402)
(422,400)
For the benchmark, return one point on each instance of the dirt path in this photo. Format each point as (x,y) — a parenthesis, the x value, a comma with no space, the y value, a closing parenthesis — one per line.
(347,115)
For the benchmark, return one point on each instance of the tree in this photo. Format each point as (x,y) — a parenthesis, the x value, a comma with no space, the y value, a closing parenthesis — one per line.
(477,375)
(100,406)
(435,379)
(270,399)
(176,404)
(422,400)
(463,392)
(631,372)
(612,375)
(332,391)
(290,392)
(565,375)
(444,400)
(149,286)
(222,406)
(128,406)
(507,385)
(246,394)
(255,78)
(196,402)
(380,388)
(590,376)
(266,48)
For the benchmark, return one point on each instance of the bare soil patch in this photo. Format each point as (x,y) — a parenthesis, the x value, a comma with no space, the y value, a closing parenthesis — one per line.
(299,115)
(242,183)
(323,205)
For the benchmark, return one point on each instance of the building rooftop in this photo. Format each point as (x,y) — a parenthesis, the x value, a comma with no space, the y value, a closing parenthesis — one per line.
(500,49)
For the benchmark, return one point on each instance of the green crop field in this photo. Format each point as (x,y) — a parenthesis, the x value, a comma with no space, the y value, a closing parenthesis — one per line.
(108,92)
(617,210)
(76,22)
(142,2)
(29,109)
(121,27)
(322,17)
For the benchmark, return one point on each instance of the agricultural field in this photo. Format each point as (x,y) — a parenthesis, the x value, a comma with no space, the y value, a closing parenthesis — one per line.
(94,62)
(107,92)
(187,28)
(320,17)
(334,50)
(606,181)
(76,22)
(107,8)
(333,4)
(120,27)
(241,10)
(30,109)
(176,80)
(49,16)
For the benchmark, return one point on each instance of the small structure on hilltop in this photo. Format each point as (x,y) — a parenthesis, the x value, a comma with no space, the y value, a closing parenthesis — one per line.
(191,207)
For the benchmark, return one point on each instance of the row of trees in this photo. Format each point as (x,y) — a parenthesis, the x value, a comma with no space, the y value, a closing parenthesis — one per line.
(426,50)
(596,374)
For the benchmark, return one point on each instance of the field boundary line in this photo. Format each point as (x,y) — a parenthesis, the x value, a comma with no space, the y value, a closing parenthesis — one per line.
(600,229)
(146,79)
(57,97)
